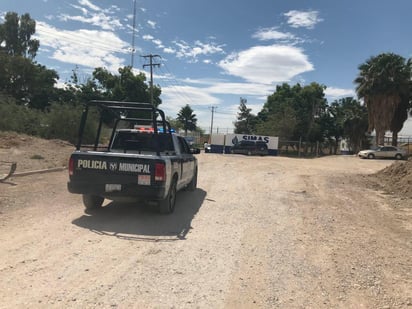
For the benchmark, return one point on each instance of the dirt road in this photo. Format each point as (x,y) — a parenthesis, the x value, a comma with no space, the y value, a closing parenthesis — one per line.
(258,232)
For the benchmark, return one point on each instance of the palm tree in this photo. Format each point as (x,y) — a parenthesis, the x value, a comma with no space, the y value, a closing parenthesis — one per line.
(187,118)
(400,116)
(383,82)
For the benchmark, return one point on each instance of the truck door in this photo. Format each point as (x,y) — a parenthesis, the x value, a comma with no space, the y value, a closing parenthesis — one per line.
(187,160)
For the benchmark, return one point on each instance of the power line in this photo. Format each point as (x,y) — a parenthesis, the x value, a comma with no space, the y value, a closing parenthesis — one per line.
(175,84)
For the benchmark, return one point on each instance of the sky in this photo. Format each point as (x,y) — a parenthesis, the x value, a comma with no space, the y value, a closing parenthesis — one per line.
(213,53)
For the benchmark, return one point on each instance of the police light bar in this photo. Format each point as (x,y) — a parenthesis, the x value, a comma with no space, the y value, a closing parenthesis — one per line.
(144,129)
(149,129)
(160,130)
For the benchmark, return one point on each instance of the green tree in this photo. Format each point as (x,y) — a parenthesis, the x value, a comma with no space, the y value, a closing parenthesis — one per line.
(29,83)
(246,121)
(384,84)
(311,105)
(350,121)
(187,118)
(16,33)
(278,115)
(293,112)
(123,87)
(174,123)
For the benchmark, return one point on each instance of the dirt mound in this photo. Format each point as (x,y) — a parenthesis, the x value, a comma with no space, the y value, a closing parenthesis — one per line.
(396,179)
(32,153)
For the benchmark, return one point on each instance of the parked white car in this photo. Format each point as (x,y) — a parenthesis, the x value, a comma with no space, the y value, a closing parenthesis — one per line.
(383,152)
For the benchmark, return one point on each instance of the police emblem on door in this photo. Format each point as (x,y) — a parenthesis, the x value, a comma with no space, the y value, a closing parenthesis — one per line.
(113,166)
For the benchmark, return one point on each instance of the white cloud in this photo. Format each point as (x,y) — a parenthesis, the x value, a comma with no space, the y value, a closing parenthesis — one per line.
(90,5)
(266,34)
(241,89)
(152,24)
(100,20)
(267,64)
(185,50)
(147,37)
(168,50)
(222,86)
(104,19)
(302,19)
(335,93)
(158,43)
(88,48)
(175,97)
(200,94)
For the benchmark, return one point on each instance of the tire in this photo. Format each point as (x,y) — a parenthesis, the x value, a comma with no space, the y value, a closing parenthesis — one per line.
(193,184)
(371,156)
(92,201)
(167,205)
(398,156)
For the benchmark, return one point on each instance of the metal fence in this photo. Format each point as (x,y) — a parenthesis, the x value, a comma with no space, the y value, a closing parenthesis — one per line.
(307,149)
(404,142)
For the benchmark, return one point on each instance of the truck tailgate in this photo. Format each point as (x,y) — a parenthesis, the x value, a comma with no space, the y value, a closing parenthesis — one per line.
(114,174)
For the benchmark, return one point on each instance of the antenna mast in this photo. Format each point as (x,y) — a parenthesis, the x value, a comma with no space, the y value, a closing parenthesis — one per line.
(133,33)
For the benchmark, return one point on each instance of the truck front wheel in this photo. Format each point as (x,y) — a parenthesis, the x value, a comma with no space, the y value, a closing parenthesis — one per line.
(92,201)
(167,206)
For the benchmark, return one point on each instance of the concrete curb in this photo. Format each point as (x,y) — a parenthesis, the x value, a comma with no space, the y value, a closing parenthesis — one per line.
(49,170)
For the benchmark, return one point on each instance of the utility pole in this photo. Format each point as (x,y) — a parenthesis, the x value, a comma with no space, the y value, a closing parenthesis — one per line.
(151,65)
(211,124)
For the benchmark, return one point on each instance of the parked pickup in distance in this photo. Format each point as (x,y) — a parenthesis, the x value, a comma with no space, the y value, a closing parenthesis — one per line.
(250,148)
(142,162)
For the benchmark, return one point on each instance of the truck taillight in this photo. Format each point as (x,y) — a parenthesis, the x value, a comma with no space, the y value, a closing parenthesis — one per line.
(160,172)
(71,166)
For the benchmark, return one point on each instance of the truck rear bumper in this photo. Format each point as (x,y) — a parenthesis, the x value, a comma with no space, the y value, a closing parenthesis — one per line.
(133,191)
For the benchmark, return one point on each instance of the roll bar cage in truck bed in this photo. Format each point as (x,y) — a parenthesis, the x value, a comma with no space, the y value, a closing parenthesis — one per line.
(133,112)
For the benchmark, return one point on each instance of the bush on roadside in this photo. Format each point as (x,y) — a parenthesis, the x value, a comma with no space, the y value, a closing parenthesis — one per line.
(63,121)
(20,119)
(59,122)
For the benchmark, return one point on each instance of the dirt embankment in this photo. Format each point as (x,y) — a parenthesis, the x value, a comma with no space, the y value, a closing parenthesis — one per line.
(396,179)
(32,153)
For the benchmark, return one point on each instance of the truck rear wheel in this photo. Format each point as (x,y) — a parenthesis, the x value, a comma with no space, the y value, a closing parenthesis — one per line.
(167,206)
(193,184)
(92,201)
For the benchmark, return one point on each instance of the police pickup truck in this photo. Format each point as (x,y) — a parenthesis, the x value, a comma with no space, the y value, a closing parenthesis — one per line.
(142,161)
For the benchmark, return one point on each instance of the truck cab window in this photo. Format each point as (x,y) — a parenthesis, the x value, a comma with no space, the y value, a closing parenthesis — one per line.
(184,147)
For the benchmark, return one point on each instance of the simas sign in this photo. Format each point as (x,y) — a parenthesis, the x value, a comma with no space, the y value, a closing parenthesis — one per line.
(271,141)
(222,143)
(113,166)
(265,139)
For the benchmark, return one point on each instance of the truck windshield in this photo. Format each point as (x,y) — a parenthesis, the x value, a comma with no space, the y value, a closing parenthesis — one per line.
(136,141)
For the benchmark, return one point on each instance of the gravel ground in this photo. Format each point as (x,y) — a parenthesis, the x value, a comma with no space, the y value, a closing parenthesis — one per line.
(259,232)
